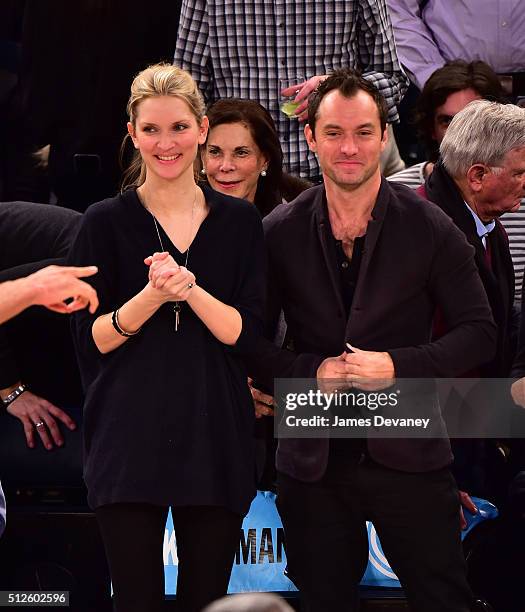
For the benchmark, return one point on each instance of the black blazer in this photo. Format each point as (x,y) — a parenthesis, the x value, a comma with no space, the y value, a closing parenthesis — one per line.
(414,260)
(497,278)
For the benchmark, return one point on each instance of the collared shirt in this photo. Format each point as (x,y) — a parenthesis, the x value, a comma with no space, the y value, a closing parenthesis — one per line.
(482,229)
(242,48)
(432,32)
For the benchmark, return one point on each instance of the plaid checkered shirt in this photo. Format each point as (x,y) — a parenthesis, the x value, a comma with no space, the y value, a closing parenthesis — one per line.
(242,48)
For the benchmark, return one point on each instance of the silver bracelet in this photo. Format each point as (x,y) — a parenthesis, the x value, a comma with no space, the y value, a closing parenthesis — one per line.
(116,325)
(14,394)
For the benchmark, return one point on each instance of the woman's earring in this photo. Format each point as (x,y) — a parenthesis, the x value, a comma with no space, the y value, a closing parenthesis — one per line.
(203,171)
(263,172)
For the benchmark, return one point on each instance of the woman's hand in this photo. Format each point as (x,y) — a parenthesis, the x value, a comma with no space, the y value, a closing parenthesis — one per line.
(173,283)
(177,286)
(158,262)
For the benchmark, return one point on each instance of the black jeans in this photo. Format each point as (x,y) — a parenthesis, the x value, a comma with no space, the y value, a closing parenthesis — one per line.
(416,516)
(133,534)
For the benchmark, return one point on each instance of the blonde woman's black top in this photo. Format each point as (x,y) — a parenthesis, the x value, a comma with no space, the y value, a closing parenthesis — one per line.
(168,414)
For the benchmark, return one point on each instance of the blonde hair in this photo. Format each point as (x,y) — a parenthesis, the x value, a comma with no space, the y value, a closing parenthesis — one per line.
(154,81)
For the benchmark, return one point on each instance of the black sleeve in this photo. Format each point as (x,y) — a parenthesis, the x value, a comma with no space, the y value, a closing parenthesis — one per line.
(457,290)
(9,370)
(250,298)
(32,236)
(267,361)
(28,268)
(31,232)
(93,246)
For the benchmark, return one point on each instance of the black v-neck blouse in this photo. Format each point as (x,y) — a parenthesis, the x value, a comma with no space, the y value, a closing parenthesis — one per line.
(168,416)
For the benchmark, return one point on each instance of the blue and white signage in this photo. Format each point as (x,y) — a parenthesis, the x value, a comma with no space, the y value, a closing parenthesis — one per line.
(260,561)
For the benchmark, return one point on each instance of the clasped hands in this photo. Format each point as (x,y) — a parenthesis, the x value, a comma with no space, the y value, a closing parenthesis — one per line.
(364,370)
(172,282)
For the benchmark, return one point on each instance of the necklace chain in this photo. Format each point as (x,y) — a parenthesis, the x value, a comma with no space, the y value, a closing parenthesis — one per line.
(176,306)
(191,231)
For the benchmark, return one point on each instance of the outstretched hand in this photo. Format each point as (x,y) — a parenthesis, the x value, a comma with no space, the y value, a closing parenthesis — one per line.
(55,284)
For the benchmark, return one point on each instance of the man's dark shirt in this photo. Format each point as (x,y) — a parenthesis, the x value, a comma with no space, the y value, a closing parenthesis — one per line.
(344,450)
(349,269)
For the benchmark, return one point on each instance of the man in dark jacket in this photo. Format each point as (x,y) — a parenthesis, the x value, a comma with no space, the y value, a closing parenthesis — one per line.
(34,237)
(480,178)
(36,350)
(361,263)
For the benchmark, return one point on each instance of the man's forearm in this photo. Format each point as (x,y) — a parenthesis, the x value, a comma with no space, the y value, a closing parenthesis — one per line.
(15,296)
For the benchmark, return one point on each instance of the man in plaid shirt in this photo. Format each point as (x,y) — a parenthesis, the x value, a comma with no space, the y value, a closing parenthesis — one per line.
(244,48)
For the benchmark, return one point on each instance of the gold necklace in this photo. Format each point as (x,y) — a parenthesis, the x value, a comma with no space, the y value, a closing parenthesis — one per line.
(176,306)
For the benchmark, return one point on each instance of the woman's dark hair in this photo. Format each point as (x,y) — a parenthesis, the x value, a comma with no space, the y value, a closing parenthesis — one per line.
(452,77)
(270,189)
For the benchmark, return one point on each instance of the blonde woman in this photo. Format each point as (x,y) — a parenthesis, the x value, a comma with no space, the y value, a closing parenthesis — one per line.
(168,413)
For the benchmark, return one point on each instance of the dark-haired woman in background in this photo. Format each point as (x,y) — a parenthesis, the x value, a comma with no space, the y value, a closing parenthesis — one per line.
(242,155)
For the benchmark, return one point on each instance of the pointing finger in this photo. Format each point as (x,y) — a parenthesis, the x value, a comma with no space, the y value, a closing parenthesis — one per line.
(79,272)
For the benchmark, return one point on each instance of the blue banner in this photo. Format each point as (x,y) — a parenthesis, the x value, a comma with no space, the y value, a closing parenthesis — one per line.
(261,559)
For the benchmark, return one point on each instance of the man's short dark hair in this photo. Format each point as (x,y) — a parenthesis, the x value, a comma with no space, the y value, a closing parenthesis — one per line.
(348,82)
(452,77)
